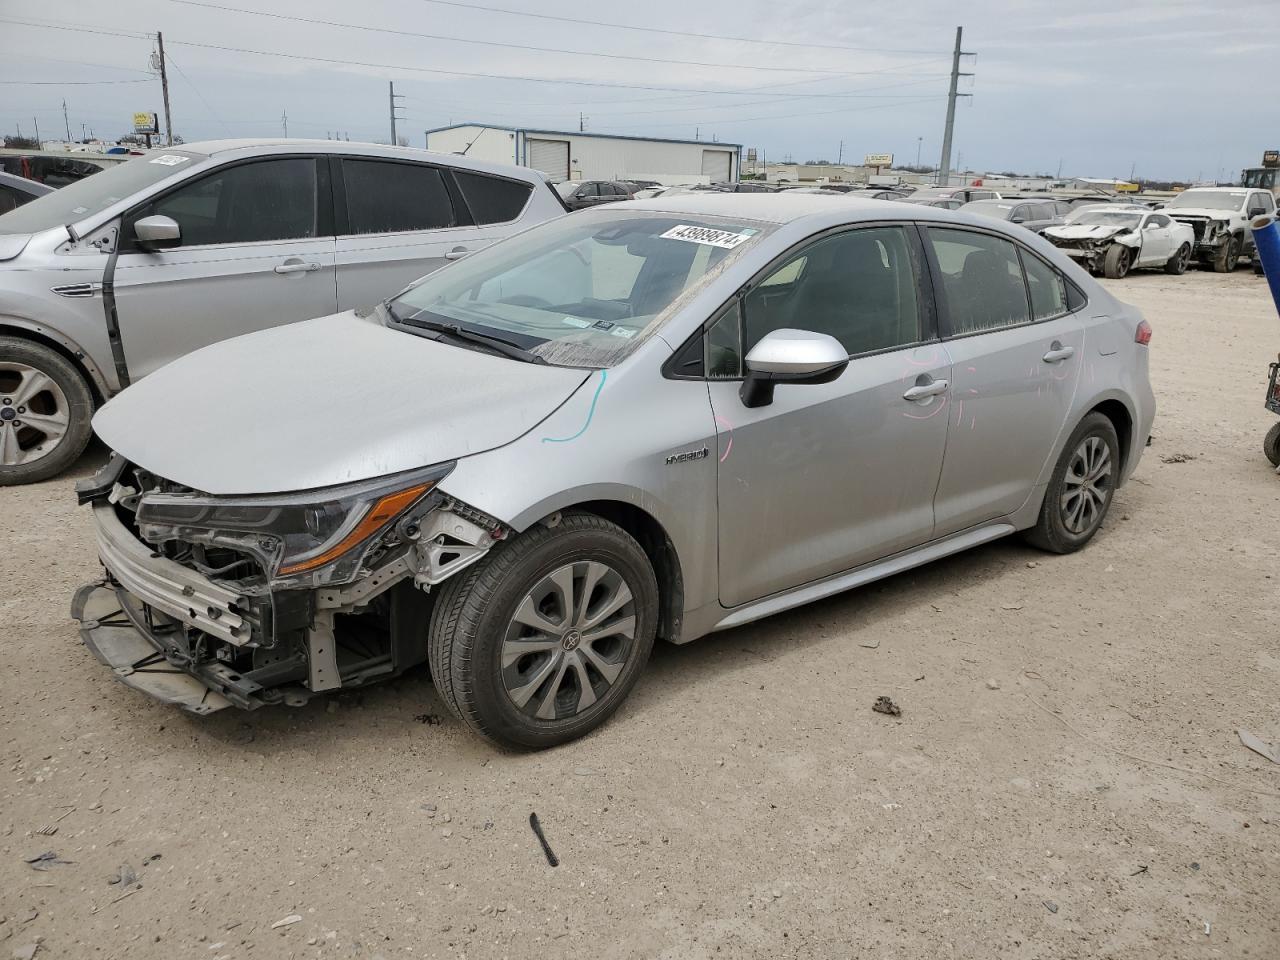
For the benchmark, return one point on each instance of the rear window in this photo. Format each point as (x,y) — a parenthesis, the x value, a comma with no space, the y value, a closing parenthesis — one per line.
(492,199)
(387,197)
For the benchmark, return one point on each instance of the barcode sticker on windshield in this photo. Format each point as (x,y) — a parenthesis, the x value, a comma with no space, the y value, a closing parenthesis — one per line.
(714,238)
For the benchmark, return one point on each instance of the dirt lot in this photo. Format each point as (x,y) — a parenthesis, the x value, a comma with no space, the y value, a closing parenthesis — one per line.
(1065,781)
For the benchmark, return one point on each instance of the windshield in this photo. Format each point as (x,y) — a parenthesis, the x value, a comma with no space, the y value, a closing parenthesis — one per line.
(1207,199)
(89,196)
(582,290)
(1108,218)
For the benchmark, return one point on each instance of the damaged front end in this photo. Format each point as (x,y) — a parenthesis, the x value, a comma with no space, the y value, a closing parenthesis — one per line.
(213,601)
(1211,232)
(1089,249)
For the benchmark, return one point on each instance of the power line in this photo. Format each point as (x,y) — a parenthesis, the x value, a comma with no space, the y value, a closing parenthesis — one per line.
(522,46)
(441,72)
(670,33)
(68,83)
(208,106)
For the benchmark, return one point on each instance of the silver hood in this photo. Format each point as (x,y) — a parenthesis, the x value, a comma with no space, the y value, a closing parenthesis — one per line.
(323,402)
(12,244)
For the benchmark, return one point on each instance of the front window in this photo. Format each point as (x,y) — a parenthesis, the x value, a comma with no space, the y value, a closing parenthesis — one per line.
(1209,200)
(1105,218)
(93,194)
(582,290)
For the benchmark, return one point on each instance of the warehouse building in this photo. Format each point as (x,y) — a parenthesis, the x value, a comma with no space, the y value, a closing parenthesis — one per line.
(573,155)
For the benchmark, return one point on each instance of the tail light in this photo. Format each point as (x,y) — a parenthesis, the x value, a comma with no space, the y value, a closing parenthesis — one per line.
(1143,334)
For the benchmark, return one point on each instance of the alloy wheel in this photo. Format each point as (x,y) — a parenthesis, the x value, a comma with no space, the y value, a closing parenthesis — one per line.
(1086,485)
(34,414)
(568,640)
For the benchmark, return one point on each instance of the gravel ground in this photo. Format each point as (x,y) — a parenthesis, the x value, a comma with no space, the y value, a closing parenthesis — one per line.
(1065,780)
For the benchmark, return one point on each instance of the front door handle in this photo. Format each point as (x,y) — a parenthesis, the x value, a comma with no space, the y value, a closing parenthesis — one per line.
(294,265)
(457,253)
(1058,353)
(924,391)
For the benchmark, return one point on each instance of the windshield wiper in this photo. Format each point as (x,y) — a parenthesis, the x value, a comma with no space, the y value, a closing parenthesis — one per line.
(498,344)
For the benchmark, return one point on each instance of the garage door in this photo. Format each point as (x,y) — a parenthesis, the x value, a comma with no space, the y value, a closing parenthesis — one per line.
(716,164)
(549,156)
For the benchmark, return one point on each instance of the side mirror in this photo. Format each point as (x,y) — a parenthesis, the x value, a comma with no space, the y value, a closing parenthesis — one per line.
(157,233)
(790,356)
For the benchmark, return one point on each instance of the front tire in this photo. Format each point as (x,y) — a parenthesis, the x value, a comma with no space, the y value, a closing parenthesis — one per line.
(45,410)
(1081,488)
(1228,257)
(542,640)
(1177,264)
(1117,262)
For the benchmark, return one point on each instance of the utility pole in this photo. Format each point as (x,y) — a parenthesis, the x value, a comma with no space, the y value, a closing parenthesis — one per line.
(391,84)
(164,89)
(83,135)
(39,143)
(944,168)
(65,120)
(582,122)
(840,154)
(284,121)
(919,145)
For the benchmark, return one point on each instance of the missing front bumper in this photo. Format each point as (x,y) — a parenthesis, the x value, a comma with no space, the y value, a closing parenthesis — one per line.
(135,659)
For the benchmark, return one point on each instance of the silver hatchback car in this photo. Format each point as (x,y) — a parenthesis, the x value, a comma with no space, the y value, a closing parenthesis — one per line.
(111,277)
(656,419)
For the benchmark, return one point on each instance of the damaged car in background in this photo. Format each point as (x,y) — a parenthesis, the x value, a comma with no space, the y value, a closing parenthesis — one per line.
(1220,218)
(1111,240)
(648,421)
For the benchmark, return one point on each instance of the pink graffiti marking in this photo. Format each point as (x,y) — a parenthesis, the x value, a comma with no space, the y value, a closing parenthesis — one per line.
(729,446)
(941,406)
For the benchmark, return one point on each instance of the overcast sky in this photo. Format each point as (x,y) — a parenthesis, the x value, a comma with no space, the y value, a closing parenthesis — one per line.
(1162,87)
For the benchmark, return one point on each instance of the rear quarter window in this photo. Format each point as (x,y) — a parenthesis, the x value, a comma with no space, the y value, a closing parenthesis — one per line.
(492,199)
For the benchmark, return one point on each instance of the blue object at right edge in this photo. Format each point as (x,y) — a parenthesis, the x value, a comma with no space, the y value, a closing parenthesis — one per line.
(1267,241)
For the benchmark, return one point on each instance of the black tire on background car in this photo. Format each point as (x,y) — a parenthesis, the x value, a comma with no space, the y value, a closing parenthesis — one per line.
(1271,445)
(541,641)
(1080,490)
(1117,261)
(1228,256)
(45,409)
(1177,264)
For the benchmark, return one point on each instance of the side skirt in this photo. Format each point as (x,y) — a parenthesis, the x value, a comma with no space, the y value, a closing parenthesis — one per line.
(863,575)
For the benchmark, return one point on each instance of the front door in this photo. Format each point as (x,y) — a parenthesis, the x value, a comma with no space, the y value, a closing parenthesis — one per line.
(1016,355)
(829,476)
(401,224)
(1157,240)
(254,254)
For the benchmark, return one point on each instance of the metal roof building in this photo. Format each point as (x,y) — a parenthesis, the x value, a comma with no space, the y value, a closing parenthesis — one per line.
(572,155)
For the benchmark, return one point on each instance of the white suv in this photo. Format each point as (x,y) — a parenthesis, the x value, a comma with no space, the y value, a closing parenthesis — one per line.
(1220,217)
(111,277)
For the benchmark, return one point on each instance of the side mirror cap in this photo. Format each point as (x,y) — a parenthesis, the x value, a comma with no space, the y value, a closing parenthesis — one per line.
(157,232)
(790,356)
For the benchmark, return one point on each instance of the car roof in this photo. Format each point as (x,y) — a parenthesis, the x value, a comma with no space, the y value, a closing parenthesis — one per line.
(270,145)
(785,207)
(1221,189)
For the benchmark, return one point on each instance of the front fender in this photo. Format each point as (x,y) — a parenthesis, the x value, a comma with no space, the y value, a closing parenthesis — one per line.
(103,381)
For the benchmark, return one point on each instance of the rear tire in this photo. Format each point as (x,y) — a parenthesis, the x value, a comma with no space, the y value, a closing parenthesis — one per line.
(45,412)
(1271,445)
(1117,262)
(521,647)
(1081,488)
(1177,264)
(1228,256)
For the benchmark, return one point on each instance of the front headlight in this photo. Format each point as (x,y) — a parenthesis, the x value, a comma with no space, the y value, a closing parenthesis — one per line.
(312,538)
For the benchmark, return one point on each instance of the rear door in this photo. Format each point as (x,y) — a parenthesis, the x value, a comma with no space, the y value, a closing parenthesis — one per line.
(1016,354)
(398,220)
(257,251)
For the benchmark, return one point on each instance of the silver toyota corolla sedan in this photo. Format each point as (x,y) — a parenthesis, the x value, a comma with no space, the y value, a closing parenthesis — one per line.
(652,420)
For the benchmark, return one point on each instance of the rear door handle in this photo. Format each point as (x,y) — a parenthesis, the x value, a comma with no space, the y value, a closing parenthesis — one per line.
(926,390)
(1059,353)
(294,265)
(457,253)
